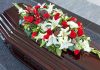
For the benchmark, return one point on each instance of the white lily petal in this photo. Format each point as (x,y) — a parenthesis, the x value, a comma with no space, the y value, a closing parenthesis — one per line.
(50,8)
(42,5)
(21,10)
(65,45)
(49,42)
(55,40)
(72,24)
(86,46)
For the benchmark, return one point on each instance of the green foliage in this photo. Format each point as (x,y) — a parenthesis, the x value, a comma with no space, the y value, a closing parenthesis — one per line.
(96,52)
(58,51)
(42,43)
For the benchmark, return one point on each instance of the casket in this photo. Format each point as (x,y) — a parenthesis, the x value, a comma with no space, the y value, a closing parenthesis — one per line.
(37,58)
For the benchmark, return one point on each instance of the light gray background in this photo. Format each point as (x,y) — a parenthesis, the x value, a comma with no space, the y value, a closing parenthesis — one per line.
(87,9)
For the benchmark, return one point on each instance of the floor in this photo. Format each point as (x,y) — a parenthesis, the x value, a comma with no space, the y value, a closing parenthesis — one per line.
(85,8)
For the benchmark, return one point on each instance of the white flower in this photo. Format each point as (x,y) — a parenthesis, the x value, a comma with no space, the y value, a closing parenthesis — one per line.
(41,5)
(64,32)
(58,11)
(40,36)
(85,45)
(55,23)
(63,38)
(22,11)
(72,24)
(52,40)
(45,26)
(64,42)
(50,8)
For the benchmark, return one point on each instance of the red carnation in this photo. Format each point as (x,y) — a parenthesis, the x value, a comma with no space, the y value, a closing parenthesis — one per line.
(37,21)
(28,18)
(79,24)
(73,19)
(72,34)
(46,15)
(64,24)
(80,32)
(46,36)
(37,7)
(76,52)
(49,32)
(34,34)
(56,16)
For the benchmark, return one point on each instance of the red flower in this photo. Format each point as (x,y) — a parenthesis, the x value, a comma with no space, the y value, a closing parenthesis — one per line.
(46,15)
(28,18)
(64,24)
(79,24)
(35,11)
(37,7)
(73,19)
(34,34)
(73,34)
(76,52)
(56,16)
(37,15)
(46,36)
(37,21)
(49,32)
(80,32)
(44,6)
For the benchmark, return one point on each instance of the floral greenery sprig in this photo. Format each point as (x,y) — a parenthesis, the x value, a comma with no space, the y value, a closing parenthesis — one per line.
(53,29)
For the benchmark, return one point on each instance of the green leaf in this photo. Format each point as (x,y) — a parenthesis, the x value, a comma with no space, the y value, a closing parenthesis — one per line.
(23,14)
(28,33)
(16,5)
(96,52)
(26,26)
(58,51)
(42,43)
(71,48)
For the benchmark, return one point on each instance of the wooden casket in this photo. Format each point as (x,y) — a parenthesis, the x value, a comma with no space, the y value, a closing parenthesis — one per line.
(38,58)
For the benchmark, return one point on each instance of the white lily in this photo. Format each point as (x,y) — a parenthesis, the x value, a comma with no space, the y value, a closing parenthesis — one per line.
(58,11)
(72,24)
(50,8)
(85,45)
(41,5)
(21,11)
(63,38)
(64,32)
(55,23)
(64,42)
(45,26)
(40,36)
(52,40)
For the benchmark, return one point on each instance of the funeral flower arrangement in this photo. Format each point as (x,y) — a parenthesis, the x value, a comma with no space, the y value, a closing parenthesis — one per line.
(53,29)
